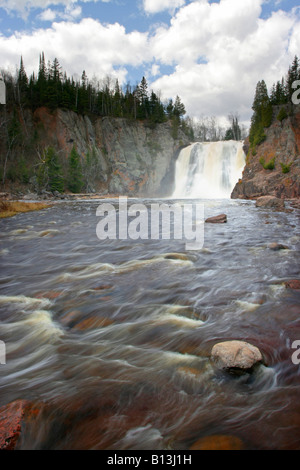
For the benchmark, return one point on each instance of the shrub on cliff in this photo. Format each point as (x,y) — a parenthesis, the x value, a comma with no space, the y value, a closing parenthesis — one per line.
(285,168)
(267,166)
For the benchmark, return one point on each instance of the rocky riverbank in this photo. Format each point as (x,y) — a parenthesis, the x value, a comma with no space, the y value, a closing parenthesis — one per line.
(130,157)
(273,167)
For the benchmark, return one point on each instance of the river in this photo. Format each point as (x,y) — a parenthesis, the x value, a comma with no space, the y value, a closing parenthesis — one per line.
(111,339)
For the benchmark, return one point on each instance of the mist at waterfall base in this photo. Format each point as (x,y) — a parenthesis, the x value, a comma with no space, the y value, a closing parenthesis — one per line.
(208,170)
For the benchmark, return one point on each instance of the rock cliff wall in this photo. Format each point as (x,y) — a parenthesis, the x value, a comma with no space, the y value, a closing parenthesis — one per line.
(282,144)
(133,158)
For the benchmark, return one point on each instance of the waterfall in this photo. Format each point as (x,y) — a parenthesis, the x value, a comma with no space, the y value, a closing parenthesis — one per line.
(209,170)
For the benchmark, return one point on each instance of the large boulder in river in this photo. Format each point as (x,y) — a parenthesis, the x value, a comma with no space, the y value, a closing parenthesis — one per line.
(270,201)
(235,356)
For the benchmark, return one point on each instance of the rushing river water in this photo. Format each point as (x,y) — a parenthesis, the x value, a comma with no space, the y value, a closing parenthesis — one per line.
(111,339)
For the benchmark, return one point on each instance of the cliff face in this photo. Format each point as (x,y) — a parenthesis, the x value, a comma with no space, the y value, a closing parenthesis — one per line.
(282,143)
(133,158)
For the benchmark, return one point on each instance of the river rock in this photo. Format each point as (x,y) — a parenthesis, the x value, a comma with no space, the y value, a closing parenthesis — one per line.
(235,356)
(278,246)
(11,422)
(218,219)
(30,197)
(293,284)
(218,442)
(270,201)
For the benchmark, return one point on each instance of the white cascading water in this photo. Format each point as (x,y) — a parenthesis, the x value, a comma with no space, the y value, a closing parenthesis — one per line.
(209,170)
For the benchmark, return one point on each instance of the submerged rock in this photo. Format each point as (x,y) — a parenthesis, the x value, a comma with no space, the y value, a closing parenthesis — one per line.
(235,356)
(293,284)
(270,201)
(11,423)
(218,442)
(278,246)
(218,219)
(93,323)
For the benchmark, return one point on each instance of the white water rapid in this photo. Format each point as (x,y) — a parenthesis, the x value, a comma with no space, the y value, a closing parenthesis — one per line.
(209,170)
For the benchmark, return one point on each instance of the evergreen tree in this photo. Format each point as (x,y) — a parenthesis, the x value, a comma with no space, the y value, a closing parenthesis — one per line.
(54,90)
(22,84)
(278,95)
(75,177)
(229,134)
(292,76)
(179,108)
(262,116)
(117,101)
(234,133)
(156,109)
(90,170)
(142,99)
(41,85)
(170,108)
(52,171)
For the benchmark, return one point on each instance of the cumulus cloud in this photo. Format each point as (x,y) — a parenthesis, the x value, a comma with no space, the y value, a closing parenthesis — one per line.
(217,51)
(88,45)
(48,15)
(155,6)
(220,51)
(70,13)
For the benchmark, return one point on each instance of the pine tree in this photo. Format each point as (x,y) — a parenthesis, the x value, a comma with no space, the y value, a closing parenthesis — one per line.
(42,82)
(55,180)
(22,82)
(54,89)
(235,128)
(262,116)
(75,177)
(292,76)
(156,109)
(229,134)
(179,108)
(170,108)
(117,101)
(143,100)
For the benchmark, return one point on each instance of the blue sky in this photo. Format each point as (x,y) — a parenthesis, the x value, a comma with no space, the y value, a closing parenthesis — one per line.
(210,53)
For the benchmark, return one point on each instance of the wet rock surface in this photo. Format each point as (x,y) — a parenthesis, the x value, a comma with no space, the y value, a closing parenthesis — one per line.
(270,201)
(218,442)
(293,284)
(11,423)
(235,356)
(218,219)
(282,144)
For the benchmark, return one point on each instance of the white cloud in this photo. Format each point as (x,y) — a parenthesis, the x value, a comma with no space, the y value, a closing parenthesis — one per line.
(155,70)
(48,15)
(70,13)
(220,51)
(155,6)
(87,45)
